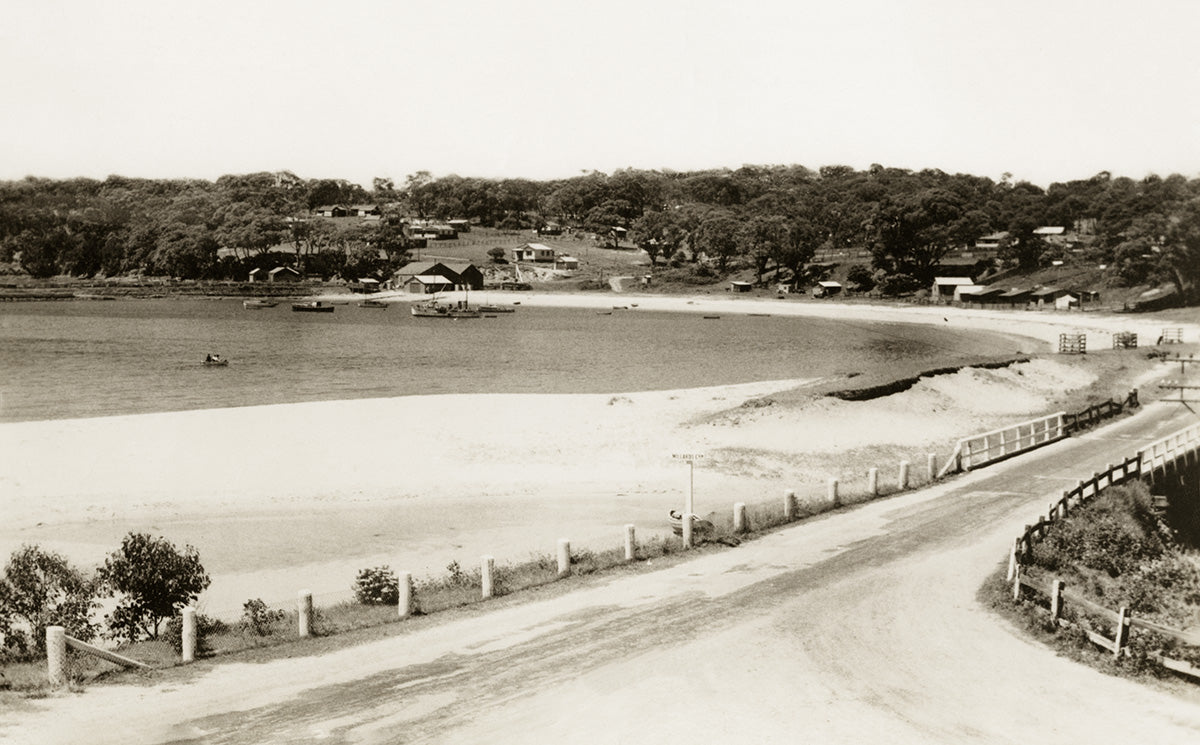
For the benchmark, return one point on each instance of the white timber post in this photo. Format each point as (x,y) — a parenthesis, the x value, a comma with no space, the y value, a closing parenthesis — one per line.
(564,557)
(1012,560)
(1122,631)
(1056,591)
(789,505)
(873,481)
(404,594)
(487,566)
(931,467)
(739,517)
(687,530)
(902,479)
(188,635)
(56,655)
(833,492)
(304,612)
(630,543)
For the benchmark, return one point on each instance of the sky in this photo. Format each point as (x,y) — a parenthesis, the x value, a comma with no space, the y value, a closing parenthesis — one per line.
(1046,91)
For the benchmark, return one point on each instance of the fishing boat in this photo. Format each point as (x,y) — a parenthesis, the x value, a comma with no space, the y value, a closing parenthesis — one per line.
(312,306)
(429,309)
(258,304)
(463,312)
(373,304)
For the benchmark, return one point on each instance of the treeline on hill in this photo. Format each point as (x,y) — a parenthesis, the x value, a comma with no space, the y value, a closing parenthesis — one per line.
(763,217)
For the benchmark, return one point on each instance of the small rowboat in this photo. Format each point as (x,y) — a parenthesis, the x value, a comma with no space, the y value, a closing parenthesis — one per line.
(216,362)
(258,304)
(312,306)
(698,525)
(373,304)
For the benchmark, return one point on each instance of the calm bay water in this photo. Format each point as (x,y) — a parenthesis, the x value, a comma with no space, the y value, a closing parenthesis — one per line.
(81,359)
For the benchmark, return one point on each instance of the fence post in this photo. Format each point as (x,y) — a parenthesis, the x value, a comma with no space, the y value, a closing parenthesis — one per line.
(1056,590)
(1122,635)
(686,534)
(739,517)
(789,505)
(404,595)
(1017,582)
(902,479)
(630,543)
(188,635)
(931,467)
(1012,559)
(56,655)
(304,609)
(873,481)
(564,557)
(487,565)
(833,492)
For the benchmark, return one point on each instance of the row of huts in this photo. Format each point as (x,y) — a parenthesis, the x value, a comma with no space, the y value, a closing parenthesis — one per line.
(964,290)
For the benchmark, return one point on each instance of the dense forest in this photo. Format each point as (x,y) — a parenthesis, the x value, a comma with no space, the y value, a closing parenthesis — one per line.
(761,217)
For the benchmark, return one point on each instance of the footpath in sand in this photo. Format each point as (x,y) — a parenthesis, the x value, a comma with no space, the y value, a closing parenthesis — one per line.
(303,495)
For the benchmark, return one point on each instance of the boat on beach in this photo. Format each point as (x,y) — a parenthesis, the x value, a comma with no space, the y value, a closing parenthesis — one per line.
(675,518)
(312,306)
(258,304)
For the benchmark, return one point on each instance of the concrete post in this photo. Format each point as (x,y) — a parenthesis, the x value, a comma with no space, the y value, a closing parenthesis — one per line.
(630,543)
(833,492)
(1012,560)
(873,482)
(789,505)
(487,567)
(739,518)
(1016,583)
(687,530)
(564,557)
(304,612)
(404,595)
(188,635)
(1056,590)
(931,467)
(56,655)
(902,480)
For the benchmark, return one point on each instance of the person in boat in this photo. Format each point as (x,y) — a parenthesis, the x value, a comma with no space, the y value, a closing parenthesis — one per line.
(210,357)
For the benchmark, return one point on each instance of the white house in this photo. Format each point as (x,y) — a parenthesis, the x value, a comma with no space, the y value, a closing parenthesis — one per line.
(944,287)
(533,252)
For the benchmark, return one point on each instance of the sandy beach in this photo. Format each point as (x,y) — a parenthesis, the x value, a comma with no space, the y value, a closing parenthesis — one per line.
(283,497)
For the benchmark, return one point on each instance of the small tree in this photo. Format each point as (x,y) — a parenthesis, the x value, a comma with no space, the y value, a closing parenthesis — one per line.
(496,254)
(155,580)
(41,589)
(377,586)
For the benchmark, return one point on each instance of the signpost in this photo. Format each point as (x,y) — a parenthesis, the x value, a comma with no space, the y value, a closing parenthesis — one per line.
(689,504)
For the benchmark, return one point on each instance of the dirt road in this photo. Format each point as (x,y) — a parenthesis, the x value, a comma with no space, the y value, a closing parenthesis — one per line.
(858,626)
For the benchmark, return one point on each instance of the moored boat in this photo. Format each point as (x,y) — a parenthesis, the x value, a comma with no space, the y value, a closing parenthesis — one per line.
(373,304)
(429,309)
(257,304)
(496,309)
(312,306)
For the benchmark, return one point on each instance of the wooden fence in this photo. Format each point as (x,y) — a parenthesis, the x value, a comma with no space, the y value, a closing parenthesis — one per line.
(980,450)
(1096,413)
(1058,597)
(1072,343)
(1124,340)
(1158,456)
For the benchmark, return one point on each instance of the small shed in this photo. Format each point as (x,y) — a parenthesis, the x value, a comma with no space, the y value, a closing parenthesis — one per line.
(738,286)
(980,295)
(461,226)
(991,242)
(827,288)
(1066,301)
(1047,296)
(283,274)
(566,263)
(944,288)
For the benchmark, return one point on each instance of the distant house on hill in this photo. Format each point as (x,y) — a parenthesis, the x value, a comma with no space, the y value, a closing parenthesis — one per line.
(533,252)
(331,210)
(991,242)
(566,263)
(462,226)
(363,210)
(740,286)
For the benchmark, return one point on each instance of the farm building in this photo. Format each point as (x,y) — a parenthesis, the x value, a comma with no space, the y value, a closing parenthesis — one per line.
(533,252)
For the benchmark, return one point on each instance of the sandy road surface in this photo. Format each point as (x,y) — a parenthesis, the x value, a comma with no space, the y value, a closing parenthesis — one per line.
(858,626)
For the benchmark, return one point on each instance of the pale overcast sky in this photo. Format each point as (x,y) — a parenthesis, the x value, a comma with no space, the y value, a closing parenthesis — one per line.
(1049,91)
